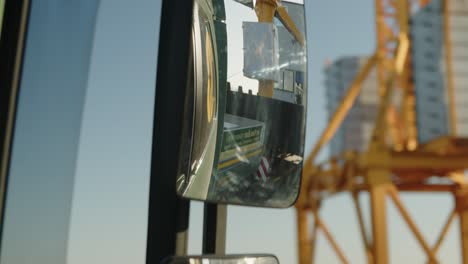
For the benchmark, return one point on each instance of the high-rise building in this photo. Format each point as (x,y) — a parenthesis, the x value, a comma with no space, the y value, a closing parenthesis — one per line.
(459,35)
(356,130)
(430,71)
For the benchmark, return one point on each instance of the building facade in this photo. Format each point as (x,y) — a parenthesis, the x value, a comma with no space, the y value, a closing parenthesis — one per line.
(356,130)
(429,56)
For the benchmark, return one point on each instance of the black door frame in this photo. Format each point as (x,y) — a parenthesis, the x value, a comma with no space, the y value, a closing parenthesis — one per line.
(168,215)
(12,40)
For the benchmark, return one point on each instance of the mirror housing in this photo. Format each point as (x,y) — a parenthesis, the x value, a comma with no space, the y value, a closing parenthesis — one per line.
(245,108)
(229,259)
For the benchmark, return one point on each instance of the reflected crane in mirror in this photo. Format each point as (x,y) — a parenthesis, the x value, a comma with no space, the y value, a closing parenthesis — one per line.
(266,10)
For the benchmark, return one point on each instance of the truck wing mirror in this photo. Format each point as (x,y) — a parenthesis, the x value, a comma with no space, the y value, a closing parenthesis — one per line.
(245,116)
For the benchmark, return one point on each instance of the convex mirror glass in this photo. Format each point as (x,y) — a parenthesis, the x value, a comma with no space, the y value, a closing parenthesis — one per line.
(238,259)
(245,110)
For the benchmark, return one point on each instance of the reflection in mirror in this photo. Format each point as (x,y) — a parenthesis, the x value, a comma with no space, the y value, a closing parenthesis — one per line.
(248,3)
(222,260)
(259,104)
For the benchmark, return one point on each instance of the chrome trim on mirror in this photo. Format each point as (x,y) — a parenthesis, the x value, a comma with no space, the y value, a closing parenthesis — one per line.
(194,180)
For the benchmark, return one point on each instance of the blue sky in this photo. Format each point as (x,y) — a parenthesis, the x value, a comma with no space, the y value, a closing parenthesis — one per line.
(109,210)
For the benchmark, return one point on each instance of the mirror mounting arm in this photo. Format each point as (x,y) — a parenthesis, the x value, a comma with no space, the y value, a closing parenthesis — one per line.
(214,229)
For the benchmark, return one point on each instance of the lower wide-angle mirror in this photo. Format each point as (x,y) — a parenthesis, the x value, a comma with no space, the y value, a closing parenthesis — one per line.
(244,125)
(233,259)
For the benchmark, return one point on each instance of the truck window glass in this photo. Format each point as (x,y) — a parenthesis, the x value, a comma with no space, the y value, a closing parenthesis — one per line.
(51,97)
(79,174)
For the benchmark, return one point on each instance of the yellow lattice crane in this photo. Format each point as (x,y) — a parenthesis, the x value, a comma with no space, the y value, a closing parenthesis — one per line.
(394,161)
